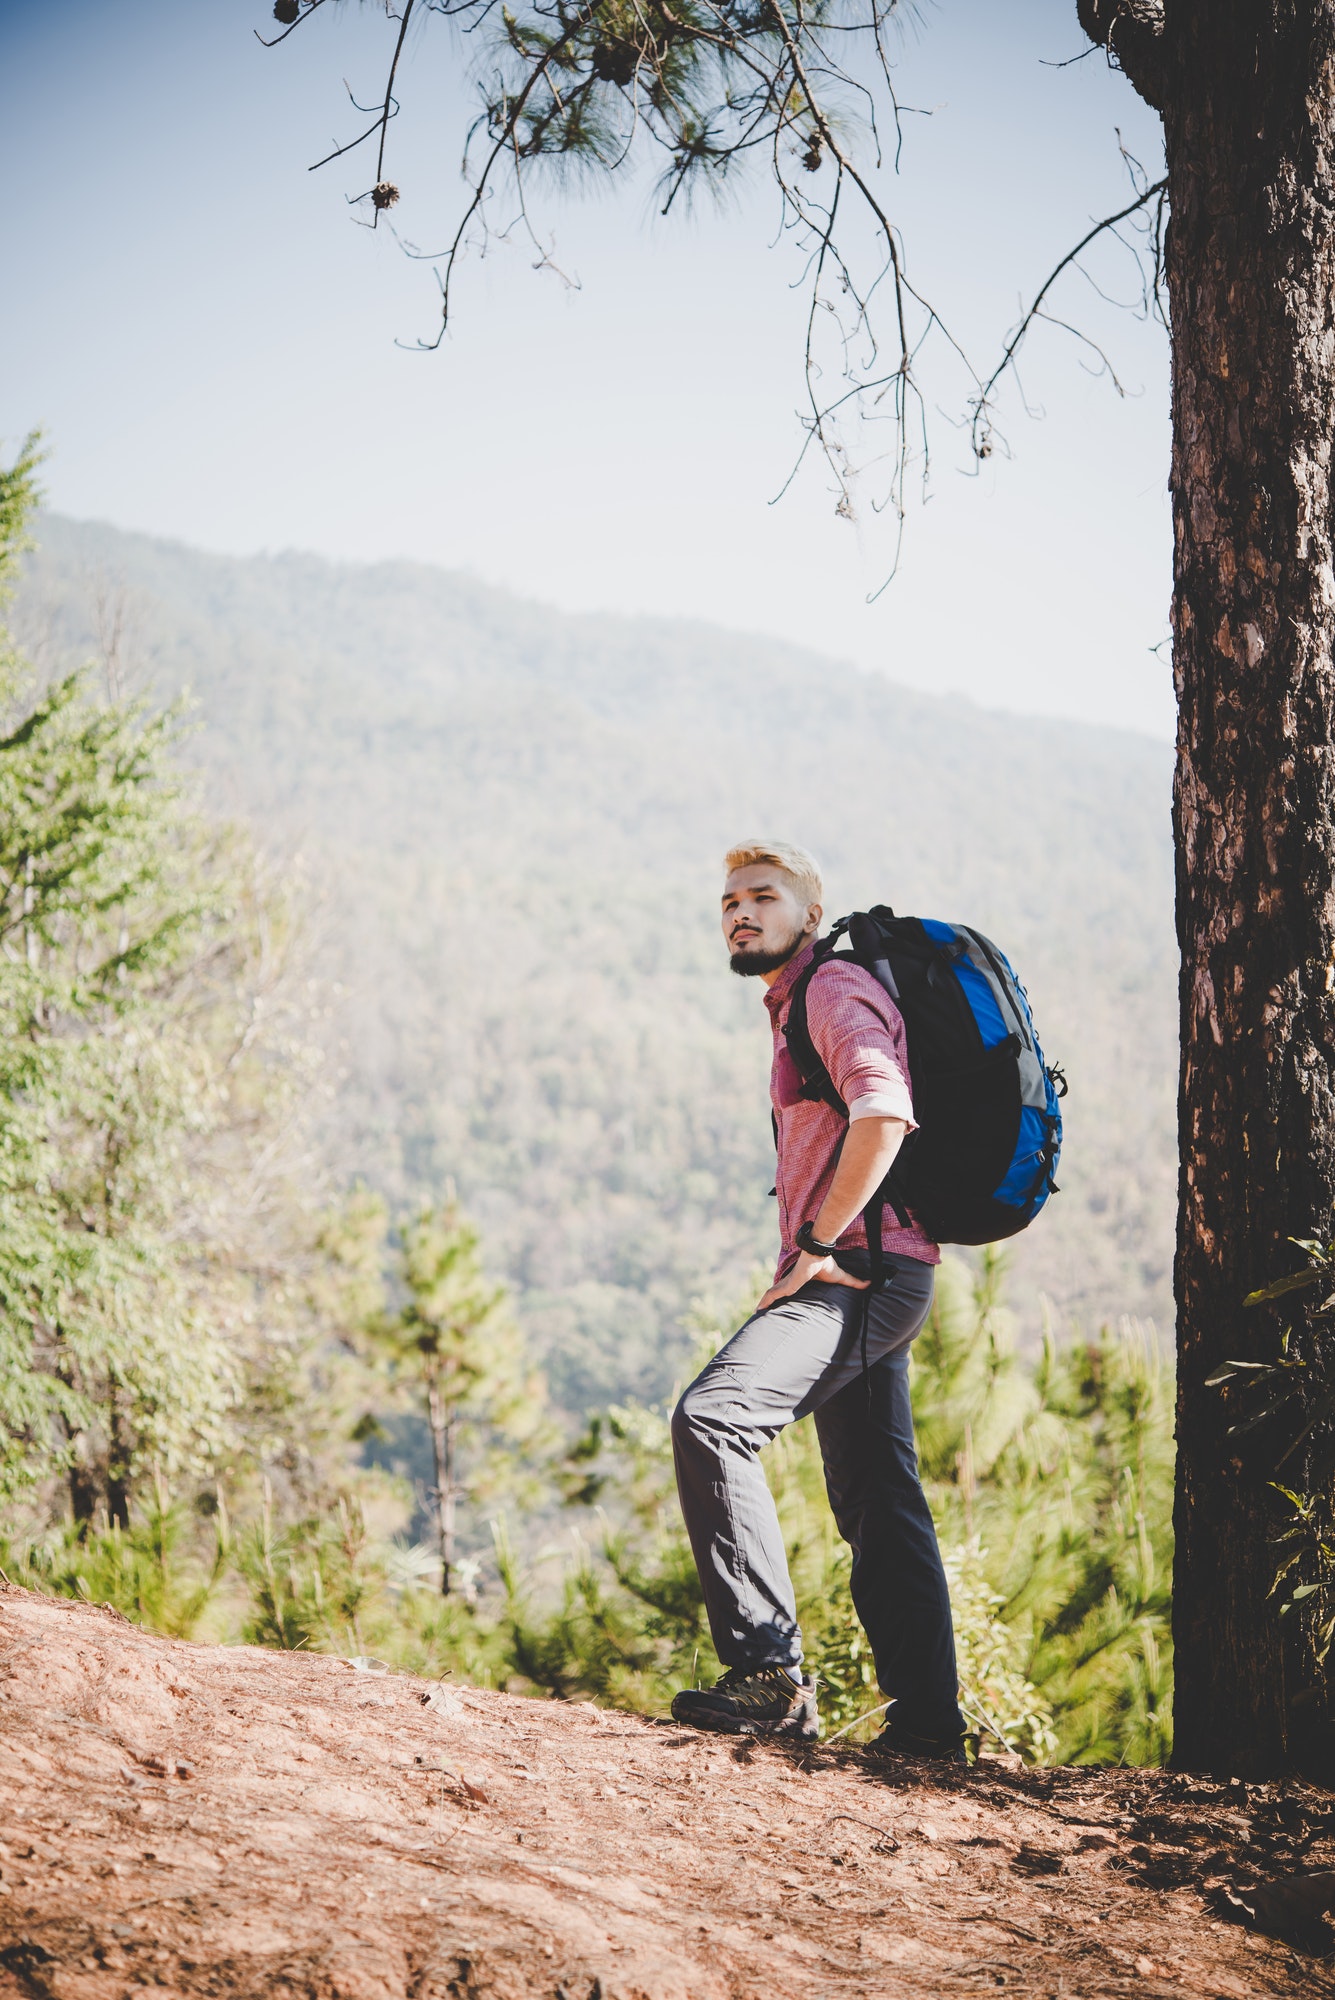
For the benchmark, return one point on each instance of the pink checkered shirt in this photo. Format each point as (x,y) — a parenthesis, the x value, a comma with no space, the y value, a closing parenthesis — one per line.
(858,1033)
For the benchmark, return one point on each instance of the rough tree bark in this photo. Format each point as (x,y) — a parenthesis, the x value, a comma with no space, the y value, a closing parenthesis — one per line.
(1247,89)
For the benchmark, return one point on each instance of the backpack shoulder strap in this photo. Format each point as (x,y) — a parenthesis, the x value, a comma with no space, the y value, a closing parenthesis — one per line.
(816,1079)
(817,1083)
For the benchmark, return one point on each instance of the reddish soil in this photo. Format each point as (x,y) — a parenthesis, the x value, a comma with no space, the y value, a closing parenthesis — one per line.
(180,1819)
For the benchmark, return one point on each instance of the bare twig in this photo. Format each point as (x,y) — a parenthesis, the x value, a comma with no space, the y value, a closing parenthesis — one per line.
(981,421)
(865,1716)
(588,83)
(386,112)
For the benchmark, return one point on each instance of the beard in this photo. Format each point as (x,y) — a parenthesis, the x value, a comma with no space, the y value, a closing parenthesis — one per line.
(754,964)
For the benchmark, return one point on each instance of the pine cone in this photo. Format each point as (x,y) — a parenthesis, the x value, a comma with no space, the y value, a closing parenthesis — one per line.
(614,62)
(285,11)
(384,194)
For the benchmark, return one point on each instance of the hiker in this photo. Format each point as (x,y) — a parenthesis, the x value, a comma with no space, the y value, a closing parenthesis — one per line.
(808,1348)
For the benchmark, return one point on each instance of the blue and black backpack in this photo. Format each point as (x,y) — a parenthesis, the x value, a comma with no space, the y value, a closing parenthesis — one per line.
(981,1164)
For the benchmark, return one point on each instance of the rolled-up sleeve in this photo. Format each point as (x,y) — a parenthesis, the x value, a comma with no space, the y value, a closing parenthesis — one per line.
(882,1104)
(858,1033)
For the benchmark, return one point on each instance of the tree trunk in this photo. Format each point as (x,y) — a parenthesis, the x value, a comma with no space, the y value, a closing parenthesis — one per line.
(1249,109)
(443,1422)
(84,1488)
(118,1465)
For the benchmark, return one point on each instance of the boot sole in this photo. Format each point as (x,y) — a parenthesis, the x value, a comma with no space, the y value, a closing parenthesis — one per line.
(738,1725)
(891,1755)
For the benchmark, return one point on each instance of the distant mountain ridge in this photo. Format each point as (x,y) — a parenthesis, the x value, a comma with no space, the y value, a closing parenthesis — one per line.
(517,814)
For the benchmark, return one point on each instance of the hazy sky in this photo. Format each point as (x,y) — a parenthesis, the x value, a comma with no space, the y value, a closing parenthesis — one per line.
(209,342)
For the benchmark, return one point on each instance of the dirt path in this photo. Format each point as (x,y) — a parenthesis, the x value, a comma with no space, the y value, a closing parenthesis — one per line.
(180,1819)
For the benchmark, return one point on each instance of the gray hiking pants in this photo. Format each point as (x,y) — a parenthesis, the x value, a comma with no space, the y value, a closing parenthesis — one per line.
(800,1356)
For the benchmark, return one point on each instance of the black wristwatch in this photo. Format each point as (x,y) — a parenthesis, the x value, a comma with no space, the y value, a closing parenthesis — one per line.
(806,1239)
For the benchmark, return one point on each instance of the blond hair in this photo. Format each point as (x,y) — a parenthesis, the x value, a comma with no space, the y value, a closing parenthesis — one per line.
(794,862)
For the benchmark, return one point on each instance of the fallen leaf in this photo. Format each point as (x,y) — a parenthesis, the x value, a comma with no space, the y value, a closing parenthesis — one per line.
(474,1791)
(444,1701)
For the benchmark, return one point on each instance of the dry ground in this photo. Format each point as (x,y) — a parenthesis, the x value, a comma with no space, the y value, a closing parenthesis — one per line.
(188,1820)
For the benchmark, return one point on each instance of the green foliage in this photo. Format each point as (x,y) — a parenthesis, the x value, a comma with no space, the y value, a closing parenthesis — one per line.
(19,498)
(323,1584)
(308,1583)
(601,1642)
(453,1345)
(103,913)
(577,79)
(999,1701)
(453,1333)
(160,1309)
(1288,1405)
(150,1569)
(1061,1473)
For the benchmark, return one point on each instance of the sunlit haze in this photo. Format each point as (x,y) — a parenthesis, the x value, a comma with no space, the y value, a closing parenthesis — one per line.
(209,342)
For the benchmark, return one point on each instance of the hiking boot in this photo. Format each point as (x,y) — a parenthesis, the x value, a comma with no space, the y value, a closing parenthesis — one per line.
(897,1739)
(751,1701)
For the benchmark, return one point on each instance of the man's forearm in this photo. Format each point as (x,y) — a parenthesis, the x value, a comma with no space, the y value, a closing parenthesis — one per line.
(866,1158)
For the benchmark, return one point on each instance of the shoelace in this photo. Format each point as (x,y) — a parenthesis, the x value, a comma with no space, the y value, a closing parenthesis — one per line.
(756,1690)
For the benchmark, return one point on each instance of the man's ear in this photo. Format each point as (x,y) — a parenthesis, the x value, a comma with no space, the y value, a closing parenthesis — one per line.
(814,915)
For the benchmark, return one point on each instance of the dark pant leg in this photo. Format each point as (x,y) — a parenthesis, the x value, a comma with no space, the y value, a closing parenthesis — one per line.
(899,1586)
(743,1398)
(784,1363)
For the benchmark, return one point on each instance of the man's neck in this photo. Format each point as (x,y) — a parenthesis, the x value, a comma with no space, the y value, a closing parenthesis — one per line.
(779,970)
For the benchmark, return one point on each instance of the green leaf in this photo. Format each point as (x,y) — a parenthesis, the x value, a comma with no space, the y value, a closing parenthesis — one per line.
(1226,1369)
(1296,1281)
(1305,1590)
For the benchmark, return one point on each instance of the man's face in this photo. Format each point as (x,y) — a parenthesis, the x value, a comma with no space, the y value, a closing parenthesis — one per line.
(764,920)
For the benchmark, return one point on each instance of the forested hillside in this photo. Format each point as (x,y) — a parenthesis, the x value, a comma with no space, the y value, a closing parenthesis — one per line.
(512,820)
